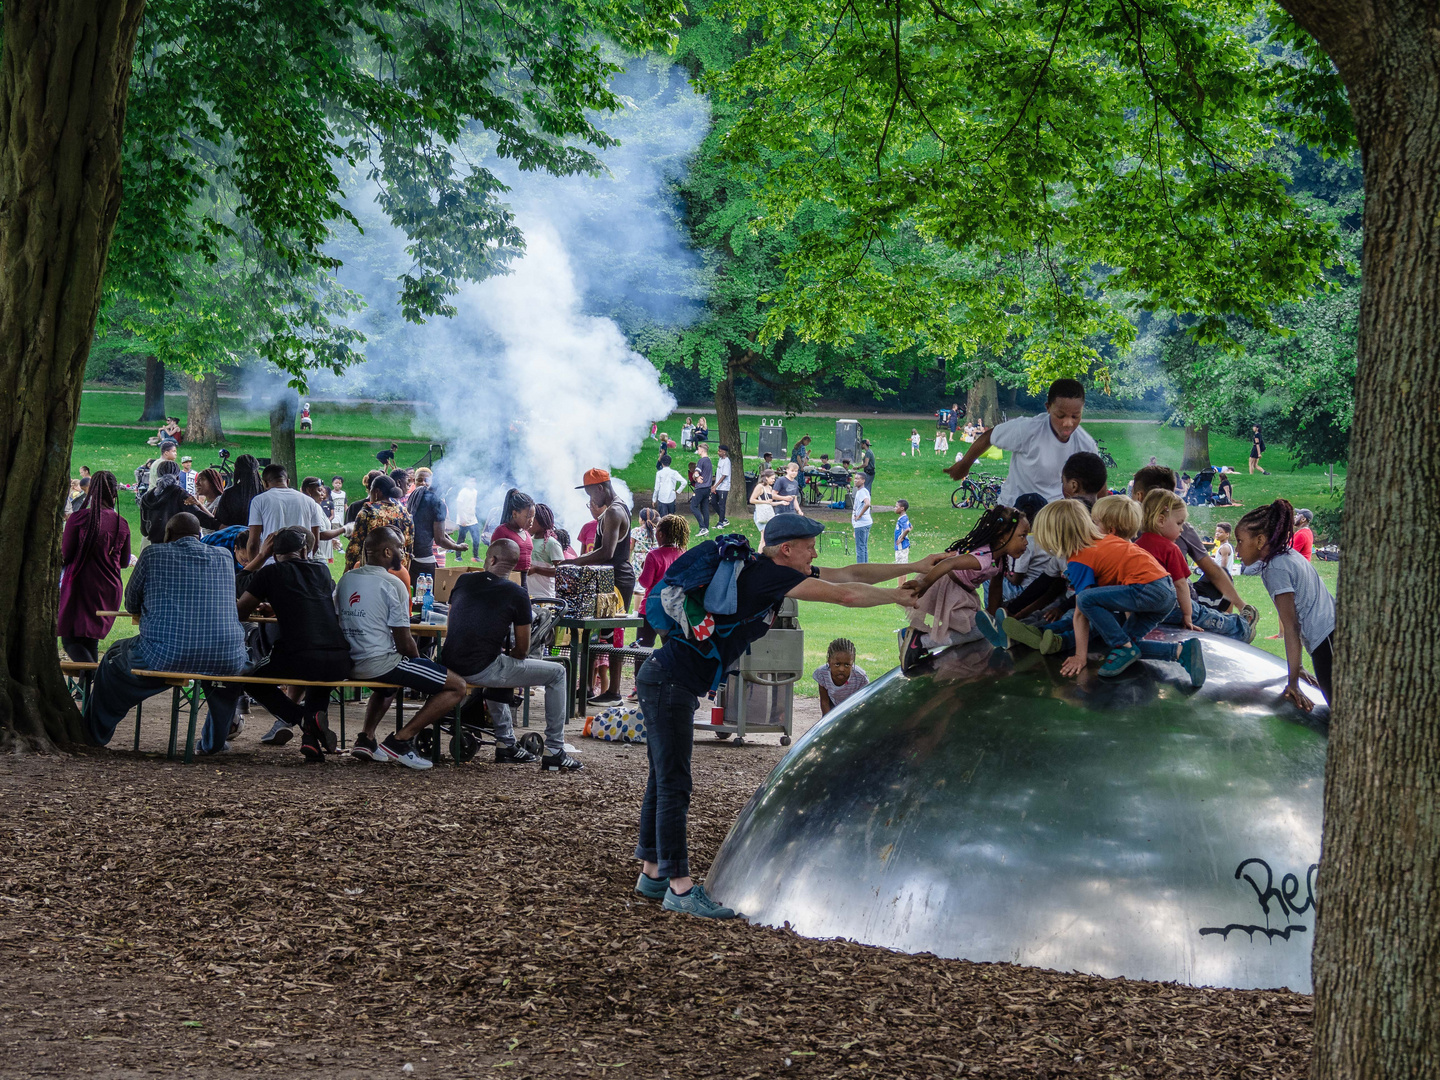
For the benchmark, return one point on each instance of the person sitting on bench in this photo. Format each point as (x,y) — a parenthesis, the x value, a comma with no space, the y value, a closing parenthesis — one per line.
(311,647)
(184,593)
(374,610)
(484,608)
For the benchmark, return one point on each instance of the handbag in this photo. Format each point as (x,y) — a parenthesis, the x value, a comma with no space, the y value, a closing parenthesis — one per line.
(578,588)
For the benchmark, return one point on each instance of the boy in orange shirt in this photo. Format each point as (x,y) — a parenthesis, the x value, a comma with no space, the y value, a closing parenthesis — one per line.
(1113,580)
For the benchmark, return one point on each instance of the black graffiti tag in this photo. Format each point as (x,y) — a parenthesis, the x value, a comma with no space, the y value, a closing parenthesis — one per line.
(1286,899)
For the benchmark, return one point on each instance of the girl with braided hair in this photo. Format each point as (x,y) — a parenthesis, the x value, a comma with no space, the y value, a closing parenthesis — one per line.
(839,678)
(1263,539)
(94,548)
(547,552)
(949,594)
(516,516)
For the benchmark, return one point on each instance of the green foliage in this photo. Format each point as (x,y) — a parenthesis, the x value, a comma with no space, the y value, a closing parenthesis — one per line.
(244,117)
(973,176)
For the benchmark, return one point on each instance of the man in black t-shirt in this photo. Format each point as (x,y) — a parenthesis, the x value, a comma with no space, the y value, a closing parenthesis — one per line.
(671,682)
(487,612)
(427,510)
(387,457)
(301,592)
(867,465)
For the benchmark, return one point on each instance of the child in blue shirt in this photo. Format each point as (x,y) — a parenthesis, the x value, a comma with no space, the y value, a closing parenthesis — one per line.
(902,532)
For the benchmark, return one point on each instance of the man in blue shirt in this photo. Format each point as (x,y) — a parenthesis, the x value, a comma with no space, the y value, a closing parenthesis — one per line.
(184,593)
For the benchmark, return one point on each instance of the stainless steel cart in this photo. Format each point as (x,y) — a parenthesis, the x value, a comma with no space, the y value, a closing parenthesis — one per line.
(760,695)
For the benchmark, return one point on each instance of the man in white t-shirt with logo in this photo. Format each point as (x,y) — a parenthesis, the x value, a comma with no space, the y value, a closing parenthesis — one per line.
(466,521)
(668,484)
(1039,445)
(861,520)
(721,491)
(279,506)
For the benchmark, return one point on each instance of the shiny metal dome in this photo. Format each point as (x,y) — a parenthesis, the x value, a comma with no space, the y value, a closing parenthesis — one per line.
(989,809)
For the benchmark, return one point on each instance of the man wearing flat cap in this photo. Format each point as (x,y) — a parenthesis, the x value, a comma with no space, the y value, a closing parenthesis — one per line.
(671,682)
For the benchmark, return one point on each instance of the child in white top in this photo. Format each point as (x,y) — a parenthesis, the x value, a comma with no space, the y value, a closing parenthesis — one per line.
(838,677)
(914,442)
(942,442)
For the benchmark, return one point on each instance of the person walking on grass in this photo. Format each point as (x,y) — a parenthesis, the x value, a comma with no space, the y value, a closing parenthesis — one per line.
(704,481)
(671,682)
(721,490)
(1257,447)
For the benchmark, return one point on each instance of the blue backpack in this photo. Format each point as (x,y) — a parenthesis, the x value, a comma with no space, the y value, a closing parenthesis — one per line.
(694,603)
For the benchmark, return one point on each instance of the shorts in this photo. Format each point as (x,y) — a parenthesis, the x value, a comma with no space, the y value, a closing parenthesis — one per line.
(417,673)
(902,555)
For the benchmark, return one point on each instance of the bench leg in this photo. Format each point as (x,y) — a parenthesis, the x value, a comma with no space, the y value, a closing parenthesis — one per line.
(190,738)
(342,718)
(137,729)
(399,709)
(174,723)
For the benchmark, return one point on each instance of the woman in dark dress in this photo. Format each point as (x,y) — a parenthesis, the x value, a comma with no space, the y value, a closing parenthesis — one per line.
(94,548)
(234,505)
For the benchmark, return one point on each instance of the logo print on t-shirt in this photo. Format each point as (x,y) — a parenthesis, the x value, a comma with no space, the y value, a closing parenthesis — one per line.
(354,598)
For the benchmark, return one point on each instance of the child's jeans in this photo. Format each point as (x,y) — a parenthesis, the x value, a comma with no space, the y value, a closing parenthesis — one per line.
(1145,607)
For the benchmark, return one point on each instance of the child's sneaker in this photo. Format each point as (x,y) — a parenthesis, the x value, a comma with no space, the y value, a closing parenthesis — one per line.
(995,635)
(1044,642)
(912,653)
(1119,660)
(1192,659)
(1252,619)
(652,888)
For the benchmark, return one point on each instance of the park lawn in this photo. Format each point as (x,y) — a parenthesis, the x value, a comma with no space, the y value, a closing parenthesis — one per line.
(919,480)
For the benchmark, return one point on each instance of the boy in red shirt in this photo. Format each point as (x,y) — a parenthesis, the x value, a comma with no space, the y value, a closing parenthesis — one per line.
(1113,579)
(1162,520)
(1304,539)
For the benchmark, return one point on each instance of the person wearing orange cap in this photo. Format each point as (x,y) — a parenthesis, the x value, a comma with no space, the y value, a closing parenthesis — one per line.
(612,548)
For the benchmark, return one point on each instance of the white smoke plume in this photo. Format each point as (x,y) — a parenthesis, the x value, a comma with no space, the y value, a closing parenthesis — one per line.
(526,384)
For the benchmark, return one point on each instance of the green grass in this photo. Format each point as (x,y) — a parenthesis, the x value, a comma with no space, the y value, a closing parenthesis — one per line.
(330,417)
(919,480)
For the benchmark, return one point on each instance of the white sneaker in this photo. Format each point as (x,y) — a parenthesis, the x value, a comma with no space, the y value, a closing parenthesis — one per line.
(279,734)
(703,532)
(403,752)
(237,725)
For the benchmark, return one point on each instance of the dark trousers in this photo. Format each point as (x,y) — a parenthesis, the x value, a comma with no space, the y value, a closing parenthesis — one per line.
(313,666)
(700,507)
(117,691)
(1324,662)
(664,508)
(717,504)
(669,711)
(473,531)
(83,650)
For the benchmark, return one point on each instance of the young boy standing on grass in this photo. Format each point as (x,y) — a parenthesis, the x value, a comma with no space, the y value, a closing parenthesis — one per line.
(902,532)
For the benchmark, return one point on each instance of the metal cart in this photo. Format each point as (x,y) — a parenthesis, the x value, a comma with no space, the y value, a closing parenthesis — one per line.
(760,695)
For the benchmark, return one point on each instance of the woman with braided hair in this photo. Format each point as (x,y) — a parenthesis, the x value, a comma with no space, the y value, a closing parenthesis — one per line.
(949,593)
(1263,539)
(94,548)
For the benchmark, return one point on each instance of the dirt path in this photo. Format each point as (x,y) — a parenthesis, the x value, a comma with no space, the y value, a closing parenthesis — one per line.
(251,913)
(266,435)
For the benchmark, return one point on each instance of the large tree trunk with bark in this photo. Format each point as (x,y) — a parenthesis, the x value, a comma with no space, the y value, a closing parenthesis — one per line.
(154,391)
(727,423)
(1377,950)
(202,415)
(983,401)
(282,432)
(64,73)
(1197,448)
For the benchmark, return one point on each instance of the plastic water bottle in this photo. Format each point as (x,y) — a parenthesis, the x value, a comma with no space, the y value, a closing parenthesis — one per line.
(428,601)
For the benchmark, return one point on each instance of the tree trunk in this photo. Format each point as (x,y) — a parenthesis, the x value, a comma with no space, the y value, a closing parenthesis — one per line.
(64,73)
(1197,448)
(154,391)
(282,432)
(202,415)
(1377,949)
(727,423)
(983,402)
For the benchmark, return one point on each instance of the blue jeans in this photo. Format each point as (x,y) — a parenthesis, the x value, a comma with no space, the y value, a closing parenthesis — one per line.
(473,531)
(1208,619)
(669,711)
(116,691)
(862,543)
(1145,607)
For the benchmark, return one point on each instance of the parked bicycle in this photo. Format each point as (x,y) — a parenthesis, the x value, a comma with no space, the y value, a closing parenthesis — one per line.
(978,491)
(223,466)
(1104,454)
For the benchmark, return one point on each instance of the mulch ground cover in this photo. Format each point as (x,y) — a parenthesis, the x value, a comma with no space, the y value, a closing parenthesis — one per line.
(256,914)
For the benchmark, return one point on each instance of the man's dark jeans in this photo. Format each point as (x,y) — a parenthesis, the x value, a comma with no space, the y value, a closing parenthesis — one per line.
(700,506)
(669,711)
(472,531)
(664,509)
(117,691)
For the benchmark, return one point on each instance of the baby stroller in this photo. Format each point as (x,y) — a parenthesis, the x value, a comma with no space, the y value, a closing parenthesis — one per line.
(471,727)
(1202,489)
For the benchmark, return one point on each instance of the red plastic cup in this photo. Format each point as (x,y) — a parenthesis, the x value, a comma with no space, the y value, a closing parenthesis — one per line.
(717,714)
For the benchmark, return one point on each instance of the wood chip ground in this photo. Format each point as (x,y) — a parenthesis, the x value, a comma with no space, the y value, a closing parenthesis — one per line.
(256,915)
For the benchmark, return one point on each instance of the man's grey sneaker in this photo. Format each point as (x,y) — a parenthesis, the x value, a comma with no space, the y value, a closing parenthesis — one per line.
(561,762)
(364,749)
(1192,659)
(405,753)
(279,734)
(1119,660)
(514,755)
(696,902)
(652,888)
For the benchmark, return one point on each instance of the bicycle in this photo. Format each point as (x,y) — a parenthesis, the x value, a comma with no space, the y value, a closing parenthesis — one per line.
(1104,454)
(978,491)
(223,467)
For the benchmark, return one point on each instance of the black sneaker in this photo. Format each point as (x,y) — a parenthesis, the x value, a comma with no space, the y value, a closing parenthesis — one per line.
(561,762)
(912,652)
(331,739)
(312,742)
(610,697)
(514,755)
(364,748)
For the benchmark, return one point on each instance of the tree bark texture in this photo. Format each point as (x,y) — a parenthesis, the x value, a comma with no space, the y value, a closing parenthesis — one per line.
(727,423)
(154,391)
(202,413)
(64,74)
(1377,950)
(1197,448)
(282,432)
(983,402)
